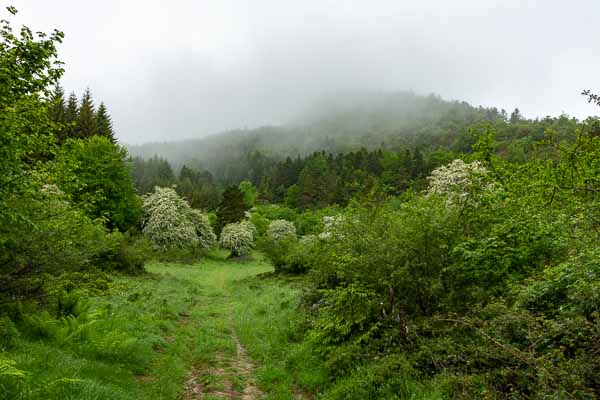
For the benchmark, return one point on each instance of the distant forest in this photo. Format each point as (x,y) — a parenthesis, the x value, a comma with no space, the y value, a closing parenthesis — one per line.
(339,150)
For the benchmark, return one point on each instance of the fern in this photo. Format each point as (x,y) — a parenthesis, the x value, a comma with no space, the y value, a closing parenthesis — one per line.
(8,368)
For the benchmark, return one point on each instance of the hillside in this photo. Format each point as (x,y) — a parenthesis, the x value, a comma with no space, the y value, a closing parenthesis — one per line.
(333,124)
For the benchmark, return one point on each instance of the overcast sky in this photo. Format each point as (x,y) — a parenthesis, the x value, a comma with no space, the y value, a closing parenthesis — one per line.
(181,68)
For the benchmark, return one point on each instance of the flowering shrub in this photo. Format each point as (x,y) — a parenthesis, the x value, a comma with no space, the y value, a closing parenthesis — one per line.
(206,237)
(331,225)
(237,238)
(458,181)
(171,223)
(281,229)
(249,226)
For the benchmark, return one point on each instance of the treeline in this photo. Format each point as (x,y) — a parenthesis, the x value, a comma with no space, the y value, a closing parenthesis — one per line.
(79,119)
(394,122)
(325,178)
(197,187)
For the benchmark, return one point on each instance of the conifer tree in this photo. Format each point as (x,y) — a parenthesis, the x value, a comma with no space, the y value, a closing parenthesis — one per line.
(57,111)
(71,116)
(104,124)
(231,209)
(58,105)
(86,124)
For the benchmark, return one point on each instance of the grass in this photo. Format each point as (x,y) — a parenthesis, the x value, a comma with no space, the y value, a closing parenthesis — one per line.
(167,334)
(216,329)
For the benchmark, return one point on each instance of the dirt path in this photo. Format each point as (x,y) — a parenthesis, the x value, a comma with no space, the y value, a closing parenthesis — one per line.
(230,373)
(227,378)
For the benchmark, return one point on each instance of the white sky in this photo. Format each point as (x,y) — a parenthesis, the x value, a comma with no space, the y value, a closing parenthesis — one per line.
(180,68)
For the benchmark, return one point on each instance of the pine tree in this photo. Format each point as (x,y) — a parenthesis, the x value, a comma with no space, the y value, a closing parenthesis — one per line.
(104,124)
(58,105)
(231,209)
(57,111)
(86,124)
(71,116)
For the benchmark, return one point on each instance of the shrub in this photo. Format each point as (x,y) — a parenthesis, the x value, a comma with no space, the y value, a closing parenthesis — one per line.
(459,182)
(281,229)
(206,237)
(237,238)
(172,224)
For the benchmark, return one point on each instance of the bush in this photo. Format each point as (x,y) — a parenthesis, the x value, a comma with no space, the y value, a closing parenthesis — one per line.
(238,238)
(171,223)
(129,256)
(281,229)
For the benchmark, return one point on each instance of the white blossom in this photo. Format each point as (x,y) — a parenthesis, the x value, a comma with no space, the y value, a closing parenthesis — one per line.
(170,222)
(280,229)
(459,181)
(238,238)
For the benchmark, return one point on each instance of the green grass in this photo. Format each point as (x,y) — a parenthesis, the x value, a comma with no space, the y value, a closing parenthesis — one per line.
(144,338)
(179,329)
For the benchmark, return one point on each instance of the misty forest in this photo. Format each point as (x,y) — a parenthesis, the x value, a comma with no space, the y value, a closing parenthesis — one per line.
(379,244)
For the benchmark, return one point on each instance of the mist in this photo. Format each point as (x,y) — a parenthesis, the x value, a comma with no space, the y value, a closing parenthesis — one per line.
(192,68)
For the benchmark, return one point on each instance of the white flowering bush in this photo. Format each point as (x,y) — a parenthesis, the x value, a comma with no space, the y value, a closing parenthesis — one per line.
(459,182)
(280,229)
(308,240)
(331,226)
(171,223)
(250,226)
(238,238)
(206,237)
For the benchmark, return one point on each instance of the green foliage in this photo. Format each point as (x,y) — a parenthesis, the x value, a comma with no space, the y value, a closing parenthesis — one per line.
(86,123)
(250,193)
(95,176)
(232,208)
(8,333)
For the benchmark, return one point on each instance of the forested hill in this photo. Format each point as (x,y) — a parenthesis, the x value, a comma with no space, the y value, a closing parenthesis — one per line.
(336,124)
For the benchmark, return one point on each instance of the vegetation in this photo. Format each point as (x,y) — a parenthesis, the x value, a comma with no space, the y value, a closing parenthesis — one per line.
(238,238)
(414,249)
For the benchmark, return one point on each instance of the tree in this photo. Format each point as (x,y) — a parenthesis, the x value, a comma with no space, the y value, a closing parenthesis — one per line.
(250,192)
(86,123)
(104,125)
(317,184)
(57,105)
(40,230)
(515,116)
(71,116)
(99,181)
(231,209)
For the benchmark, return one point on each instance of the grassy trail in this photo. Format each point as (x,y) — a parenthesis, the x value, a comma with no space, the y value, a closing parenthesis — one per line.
(213,330)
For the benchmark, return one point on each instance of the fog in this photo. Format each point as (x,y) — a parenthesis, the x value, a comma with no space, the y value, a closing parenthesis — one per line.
(180,69)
